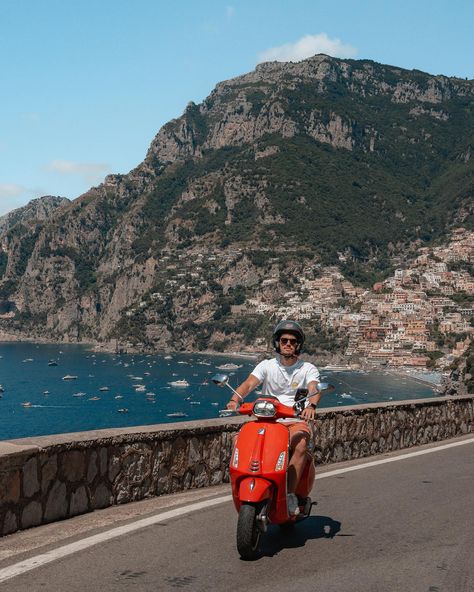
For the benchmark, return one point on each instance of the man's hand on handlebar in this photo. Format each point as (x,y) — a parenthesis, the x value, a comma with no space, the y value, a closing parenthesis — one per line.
(308,413)
(232,405)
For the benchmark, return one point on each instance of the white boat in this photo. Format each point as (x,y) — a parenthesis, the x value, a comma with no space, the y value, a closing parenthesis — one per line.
(26,404)
(69,377)
(181,383)
(176,414)
(104,388)
(79,394)
(94,399)
(229,366)
(122,410)
(118,397)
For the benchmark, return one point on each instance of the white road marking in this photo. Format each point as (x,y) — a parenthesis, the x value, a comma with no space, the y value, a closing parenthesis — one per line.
(21,567)
(374,463)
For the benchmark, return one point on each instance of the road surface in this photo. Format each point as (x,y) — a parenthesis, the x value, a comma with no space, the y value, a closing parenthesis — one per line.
(406,524)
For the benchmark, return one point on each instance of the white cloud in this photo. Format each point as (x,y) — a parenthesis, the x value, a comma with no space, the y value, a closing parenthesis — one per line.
(306,47)
(229,12)
(89,171)
(10,190)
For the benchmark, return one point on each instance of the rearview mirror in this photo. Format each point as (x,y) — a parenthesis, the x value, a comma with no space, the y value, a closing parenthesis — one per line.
(220,379)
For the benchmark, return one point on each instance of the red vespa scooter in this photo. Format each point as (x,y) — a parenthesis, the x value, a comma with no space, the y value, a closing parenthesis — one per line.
(258,469)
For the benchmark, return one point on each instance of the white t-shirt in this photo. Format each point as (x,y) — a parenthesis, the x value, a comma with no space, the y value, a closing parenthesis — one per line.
(283,381)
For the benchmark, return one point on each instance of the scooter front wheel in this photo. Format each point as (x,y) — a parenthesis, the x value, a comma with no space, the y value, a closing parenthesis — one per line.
(248,532)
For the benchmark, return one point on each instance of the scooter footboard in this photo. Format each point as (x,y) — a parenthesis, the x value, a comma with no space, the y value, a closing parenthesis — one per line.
(255,489)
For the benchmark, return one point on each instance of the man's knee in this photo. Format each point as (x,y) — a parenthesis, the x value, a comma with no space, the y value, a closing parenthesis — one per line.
(299,443)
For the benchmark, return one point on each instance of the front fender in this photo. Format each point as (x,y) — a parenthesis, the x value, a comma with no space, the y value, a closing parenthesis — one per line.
(255,489)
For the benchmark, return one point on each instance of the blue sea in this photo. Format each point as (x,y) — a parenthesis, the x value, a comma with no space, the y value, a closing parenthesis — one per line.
(130,390)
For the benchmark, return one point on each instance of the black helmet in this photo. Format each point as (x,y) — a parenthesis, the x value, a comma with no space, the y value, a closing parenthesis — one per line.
(288,327)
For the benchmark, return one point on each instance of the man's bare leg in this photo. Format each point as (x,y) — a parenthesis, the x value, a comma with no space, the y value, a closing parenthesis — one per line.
(299,444)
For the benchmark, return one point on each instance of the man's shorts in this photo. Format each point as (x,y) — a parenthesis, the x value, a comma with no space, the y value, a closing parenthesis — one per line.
(298,427)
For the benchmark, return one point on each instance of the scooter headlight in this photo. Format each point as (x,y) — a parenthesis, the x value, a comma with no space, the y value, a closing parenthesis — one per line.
(264,409)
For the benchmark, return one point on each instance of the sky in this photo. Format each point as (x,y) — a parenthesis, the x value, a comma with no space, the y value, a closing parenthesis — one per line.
(87,84)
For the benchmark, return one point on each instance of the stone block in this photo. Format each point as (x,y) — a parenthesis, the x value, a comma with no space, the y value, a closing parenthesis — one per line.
(216,477)
(103,462)
(79,502)
(10,487)
(201,478)
(30,478)
(179,457)
(162,481)
(10,523)
(114,467)
(31,515)
(92,467)
(195,451)
(56,504)
(136,465)
(73,464)
(102,497)
(49,471)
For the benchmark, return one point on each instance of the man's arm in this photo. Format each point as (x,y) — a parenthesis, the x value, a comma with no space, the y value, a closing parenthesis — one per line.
(243,390)
(314,397)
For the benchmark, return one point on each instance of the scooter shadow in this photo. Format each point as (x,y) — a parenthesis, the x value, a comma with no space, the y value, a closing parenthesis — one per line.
(314,527)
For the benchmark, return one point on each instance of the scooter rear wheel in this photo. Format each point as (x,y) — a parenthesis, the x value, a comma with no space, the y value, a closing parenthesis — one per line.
(248,533)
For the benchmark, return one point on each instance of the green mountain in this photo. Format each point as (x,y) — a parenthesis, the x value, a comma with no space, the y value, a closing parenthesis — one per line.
(292,166)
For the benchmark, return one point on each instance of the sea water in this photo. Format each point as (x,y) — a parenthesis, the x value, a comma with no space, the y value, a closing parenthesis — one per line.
(112,391)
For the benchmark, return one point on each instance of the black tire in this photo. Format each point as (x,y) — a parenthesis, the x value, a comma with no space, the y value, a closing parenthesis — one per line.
(248,533)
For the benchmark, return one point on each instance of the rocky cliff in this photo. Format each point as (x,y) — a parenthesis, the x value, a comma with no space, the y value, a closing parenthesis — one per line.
(40,209)
(288,168)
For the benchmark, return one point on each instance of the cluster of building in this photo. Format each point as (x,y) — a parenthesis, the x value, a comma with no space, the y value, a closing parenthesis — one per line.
(405,320)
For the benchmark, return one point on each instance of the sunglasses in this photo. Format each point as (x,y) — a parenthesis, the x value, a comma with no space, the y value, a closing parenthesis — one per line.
(290,340)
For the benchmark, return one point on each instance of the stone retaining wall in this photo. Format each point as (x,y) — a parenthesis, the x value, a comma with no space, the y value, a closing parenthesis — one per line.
(49,478)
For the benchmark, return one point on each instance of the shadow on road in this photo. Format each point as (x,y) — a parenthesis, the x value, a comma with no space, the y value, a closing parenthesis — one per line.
(315,527)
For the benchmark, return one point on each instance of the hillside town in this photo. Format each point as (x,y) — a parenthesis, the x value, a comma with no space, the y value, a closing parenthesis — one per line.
(421,313)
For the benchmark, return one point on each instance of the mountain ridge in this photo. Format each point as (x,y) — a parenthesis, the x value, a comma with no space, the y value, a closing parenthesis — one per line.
(321,162)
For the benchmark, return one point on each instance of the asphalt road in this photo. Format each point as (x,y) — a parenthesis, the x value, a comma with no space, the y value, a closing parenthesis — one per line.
(405,525)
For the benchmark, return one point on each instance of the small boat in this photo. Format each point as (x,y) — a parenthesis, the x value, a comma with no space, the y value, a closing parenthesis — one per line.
(140,389)
(104,388)
(94,398)
(26,404)
(79,394)
(122,410)
(69,377)
(180,383)
(229,366)
(118,397)
(27,360)
(195,403)
(176,414)
(168,358)
(52,363)
(45,392)
(2,390)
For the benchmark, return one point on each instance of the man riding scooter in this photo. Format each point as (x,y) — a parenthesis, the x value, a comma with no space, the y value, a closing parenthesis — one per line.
(282,377)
